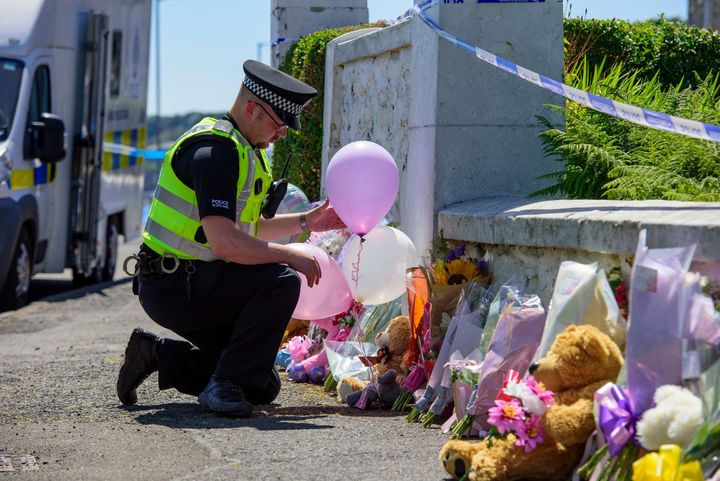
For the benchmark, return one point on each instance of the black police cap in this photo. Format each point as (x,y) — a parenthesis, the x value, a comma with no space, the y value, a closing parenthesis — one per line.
(287,95)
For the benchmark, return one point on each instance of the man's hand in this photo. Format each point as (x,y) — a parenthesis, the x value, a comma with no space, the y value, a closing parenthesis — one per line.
(306,264)
(324,218)
(230,244)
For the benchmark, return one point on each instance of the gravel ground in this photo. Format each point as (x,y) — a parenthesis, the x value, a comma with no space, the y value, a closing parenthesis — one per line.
(59,359)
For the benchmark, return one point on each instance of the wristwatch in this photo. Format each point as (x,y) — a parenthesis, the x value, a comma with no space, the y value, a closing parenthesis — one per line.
(303,223)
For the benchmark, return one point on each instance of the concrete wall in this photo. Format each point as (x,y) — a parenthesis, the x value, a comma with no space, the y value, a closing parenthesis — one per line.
(291,19)
(370,85)
(458,128)
(528,240)
(704,13)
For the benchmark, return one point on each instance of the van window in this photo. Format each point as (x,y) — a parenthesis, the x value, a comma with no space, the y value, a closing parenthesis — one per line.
(40,96)
(39,104)
(10,77)
(115,63)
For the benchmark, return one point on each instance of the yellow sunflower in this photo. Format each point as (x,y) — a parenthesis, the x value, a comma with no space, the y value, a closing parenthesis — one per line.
(455,272)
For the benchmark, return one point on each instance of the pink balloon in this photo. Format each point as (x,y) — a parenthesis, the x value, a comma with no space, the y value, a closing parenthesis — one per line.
(362,182)
(330,296)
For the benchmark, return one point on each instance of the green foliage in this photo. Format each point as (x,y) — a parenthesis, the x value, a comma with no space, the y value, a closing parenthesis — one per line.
(173,126)
(606,157)
(306,61)
(673,51)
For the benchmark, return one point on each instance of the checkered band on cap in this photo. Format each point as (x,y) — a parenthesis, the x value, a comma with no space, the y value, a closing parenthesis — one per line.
(272,98)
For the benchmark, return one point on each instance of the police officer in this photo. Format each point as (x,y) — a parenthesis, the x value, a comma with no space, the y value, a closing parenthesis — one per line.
(207,270)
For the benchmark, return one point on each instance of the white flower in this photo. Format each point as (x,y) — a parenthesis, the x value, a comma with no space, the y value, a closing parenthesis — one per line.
(674,420)
(531,403)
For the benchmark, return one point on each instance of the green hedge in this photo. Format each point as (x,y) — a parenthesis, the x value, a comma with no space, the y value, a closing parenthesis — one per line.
(606,157)
(673,50)
(306,61)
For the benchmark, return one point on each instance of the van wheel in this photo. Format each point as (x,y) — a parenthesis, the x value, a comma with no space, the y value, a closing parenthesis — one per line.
(112,236)
(16,292)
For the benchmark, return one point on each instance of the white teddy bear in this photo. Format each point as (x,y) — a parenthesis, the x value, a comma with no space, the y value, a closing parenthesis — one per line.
(676,417)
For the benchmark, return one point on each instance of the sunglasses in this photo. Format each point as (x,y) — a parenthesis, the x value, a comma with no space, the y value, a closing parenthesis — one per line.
(280,125)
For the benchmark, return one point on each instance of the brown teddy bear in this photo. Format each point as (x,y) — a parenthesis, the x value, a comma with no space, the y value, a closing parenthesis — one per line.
(392,344)
(580,361)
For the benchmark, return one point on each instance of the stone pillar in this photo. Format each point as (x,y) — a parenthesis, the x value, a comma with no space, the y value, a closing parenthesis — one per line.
(485,127)
(458,128)
(704,13)
(291,19)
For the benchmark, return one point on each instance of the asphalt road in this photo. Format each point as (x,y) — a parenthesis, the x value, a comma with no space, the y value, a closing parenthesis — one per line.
(59,359)
(45,285)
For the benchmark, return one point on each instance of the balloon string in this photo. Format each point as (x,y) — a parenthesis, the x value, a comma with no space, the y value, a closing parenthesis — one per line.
(355,274)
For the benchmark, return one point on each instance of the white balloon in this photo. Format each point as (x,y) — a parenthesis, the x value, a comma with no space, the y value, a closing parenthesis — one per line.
(375,265)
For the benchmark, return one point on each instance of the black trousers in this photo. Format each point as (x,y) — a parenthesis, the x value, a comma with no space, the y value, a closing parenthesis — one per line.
(234,317)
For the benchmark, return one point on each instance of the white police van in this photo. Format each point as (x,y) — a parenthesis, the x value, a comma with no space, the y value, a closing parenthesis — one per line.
(73,91)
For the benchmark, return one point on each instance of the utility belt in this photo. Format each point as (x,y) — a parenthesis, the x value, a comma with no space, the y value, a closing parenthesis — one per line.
(146,264)
(153,265)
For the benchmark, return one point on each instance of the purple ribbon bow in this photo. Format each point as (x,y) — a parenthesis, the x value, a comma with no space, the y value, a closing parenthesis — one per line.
(616,419)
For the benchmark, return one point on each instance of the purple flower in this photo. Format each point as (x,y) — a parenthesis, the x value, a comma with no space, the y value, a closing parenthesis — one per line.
(457,253)
(483,267)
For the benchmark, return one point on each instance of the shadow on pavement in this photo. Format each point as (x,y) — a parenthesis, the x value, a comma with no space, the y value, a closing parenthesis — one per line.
(265,418)
(58,291)
(189,416)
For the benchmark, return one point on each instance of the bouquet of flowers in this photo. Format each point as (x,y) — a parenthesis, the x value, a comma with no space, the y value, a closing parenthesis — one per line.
(519,407)
(460,343)
(654,357)
(619,289)
(464,374)
(514,328)
(583,295)
(449,269)
(705,447)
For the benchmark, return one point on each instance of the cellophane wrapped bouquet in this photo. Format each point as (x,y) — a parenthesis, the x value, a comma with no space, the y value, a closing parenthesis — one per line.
(449,268)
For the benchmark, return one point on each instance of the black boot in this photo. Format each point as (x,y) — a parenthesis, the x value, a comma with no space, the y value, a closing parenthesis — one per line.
(225,397)
(267,395)
(141,360)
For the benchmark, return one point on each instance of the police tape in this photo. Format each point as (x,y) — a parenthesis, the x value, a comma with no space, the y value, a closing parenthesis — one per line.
(123,149)
(631,113)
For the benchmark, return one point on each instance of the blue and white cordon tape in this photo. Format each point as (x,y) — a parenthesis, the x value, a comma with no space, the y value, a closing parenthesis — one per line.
(122,149)
(648,118)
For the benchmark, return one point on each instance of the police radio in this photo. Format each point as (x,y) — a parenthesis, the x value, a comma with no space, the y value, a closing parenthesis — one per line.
(276,193)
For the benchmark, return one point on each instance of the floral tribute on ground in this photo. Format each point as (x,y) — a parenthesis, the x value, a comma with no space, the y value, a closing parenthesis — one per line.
(524,393)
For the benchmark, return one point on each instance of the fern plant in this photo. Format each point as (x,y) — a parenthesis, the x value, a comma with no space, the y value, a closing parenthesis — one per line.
(607,157)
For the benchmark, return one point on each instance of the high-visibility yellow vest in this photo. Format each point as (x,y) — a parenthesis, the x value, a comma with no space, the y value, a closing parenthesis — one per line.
(173,224)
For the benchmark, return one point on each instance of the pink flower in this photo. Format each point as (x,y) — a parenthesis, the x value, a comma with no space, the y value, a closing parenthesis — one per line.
(342,334)
(538,388)
(530,434)
(507,416)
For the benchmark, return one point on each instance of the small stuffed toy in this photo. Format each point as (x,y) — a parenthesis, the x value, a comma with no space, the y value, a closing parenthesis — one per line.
(580,361)
(380,396)
(392,344)
(676,417)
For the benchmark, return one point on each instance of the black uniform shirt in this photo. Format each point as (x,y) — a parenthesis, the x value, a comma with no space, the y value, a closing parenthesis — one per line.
(210,167)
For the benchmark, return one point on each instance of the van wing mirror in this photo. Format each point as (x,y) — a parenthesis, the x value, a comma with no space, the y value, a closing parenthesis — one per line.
(47,138)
